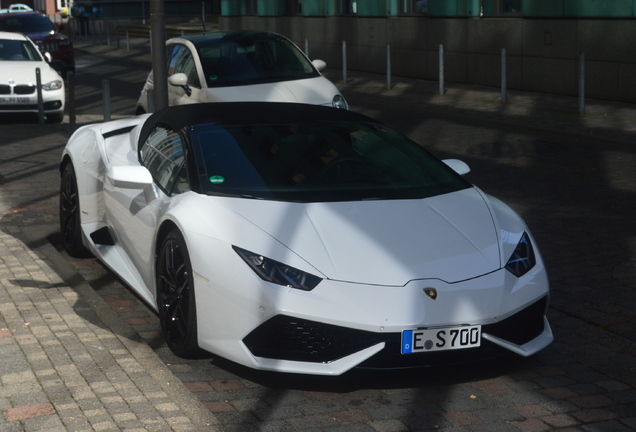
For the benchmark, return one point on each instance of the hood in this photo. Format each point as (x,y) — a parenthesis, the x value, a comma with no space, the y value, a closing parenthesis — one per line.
(46,36)
(23,72)
(315,91)
(450,237)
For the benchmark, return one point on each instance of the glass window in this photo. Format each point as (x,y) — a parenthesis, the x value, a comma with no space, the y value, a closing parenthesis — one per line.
(347,7)
(27,24)
(180,60)
(317,161)
(511,6)
(501,7)
(17,50)
(163,155)
(252,60)
(413,7)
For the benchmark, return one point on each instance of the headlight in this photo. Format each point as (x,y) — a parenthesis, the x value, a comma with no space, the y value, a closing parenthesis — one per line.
(522,259)
(339,102)
(53,85)
(278,273)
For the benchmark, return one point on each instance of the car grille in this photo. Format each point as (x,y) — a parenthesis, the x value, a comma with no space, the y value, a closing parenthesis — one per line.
(49,46)
(20,89)
(287,338)
(24,89)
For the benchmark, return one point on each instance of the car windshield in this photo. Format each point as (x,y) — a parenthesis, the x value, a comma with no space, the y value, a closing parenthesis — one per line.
(18,50)
(27,24)
(317,162)
(252,60)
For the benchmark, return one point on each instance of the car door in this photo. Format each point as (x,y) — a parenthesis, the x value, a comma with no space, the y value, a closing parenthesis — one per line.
(182,60)
(131,211)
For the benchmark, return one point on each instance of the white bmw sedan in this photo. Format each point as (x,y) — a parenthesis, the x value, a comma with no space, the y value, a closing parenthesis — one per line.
(19,59)
(239,66)
(299,238)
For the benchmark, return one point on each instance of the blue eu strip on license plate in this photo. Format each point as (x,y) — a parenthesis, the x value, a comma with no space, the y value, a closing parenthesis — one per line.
(440,339)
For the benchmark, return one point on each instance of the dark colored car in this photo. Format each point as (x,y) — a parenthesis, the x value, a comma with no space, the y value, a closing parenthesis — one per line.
(39,28)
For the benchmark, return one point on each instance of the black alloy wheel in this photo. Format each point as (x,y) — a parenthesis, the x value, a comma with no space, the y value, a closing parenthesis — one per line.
(70,214)
(175,296)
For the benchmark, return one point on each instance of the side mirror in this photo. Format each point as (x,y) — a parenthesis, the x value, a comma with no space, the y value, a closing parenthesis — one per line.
(458,166)
(180,80)
(320,65)
(132,177)
(47,57)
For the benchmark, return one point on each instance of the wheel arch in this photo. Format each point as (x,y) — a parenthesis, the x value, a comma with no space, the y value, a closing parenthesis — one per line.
(165,228)
(66,159)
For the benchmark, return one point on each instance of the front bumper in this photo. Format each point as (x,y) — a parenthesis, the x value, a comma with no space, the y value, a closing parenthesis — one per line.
(285,338)
(53,103)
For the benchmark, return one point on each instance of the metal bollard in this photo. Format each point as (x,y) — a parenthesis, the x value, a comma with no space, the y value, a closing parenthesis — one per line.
(38,81)
(504,77)
(388,66)
(344,62)
(106,94)
(582,83)
(441,69)
(70,83)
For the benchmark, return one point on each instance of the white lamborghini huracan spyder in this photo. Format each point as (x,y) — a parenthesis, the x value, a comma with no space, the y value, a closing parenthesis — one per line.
(301,238)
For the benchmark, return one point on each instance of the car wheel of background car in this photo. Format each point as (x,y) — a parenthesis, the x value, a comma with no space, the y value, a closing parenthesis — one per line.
(70,214)
(175,296)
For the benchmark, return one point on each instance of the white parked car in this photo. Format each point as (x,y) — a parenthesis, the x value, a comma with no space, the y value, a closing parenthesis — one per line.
(238,66)
(300,238)
(19,59)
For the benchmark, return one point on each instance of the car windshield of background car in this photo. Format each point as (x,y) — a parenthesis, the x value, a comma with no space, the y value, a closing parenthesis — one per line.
(17,50)
(253,61)
(27,24)
(317,162)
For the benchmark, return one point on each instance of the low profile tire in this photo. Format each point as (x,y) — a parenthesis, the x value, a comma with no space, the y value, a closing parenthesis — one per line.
(175,296)
(70,214)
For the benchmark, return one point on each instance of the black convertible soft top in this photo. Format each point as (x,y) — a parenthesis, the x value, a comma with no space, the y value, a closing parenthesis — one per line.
(181,116)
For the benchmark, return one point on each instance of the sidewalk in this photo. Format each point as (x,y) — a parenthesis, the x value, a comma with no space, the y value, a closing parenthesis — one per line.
(69,363)
(68,360)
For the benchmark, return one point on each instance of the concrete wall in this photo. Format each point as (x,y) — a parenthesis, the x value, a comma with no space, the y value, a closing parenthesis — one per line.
(542,53)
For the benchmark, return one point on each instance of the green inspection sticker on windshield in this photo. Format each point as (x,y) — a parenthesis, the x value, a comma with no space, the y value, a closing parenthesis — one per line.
(217,179)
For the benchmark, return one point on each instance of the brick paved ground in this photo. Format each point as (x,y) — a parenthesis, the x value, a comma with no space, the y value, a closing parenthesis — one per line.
(76,341)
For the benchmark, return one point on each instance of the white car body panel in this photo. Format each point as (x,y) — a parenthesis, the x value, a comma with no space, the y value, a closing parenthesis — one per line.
(316,91)
(375,259)
(366,241)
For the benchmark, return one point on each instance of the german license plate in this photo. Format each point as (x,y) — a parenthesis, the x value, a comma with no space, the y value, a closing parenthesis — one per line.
(14,100)
(440,339)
